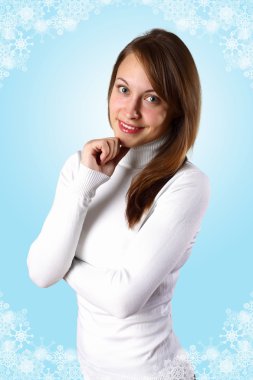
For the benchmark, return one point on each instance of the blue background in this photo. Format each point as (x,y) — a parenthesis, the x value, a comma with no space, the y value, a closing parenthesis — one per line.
(52,109)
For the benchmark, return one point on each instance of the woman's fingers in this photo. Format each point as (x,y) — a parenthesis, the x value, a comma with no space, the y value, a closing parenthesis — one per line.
(110,150)
(102,154)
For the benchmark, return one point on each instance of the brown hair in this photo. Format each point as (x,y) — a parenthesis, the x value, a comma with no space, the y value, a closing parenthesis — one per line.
(172,72)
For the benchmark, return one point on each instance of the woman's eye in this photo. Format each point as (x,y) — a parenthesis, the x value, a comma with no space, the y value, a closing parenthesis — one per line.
(152,99)
(123,89)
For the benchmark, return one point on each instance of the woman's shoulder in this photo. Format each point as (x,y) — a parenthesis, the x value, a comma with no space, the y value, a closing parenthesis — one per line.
(191,170)
(189,176)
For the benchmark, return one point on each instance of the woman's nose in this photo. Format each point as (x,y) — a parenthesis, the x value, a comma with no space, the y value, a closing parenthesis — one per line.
(133,109)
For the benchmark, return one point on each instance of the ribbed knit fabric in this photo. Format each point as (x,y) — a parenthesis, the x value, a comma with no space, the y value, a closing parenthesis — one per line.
(138,157)
(124,279)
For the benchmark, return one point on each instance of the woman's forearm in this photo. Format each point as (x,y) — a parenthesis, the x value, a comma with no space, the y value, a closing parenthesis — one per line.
(51,254)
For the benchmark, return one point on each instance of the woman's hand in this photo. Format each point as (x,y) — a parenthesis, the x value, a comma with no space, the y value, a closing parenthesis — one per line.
(103,155)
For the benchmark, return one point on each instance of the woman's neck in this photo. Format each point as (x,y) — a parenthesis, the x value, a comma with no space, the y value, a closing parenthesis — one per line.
(141,155)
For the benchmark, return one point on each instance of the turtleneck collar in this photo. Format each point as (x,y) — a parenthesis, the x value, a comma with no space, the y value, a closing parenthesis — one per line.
(140,156)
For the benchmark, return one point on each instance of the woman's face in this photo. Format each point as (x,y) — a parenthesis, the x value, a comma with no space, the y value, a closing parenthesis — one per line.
(137,114)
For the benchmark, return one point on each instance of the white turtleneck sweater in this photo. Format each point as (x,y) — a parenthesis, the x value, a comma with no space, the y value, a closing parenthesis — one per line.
(124,279)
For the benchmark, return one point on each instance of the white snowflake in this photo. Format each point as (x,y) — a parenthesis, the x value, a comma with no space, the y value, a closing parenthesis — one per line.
(211,26)
(226,365)
(211,353)
(231,317)
(41,26)
(249,74)
(3,305)
(7,321)
(61,23)
(245,353)
(26,14)
(232,335)
(9,346)
(22,44)
(8,24)
(232,45)
(59,357)
(195,356)
(204,5)
(69,371)
(3,74)
(171,10)
(21,335)
(48,375)
(26,367)
(204,375)
(7,359)
(244,61)
(178,368)
(244,25)
(226,14)
(50,4)
(190,22)
(42,354)
(249,306)
(77,9)
(244,318)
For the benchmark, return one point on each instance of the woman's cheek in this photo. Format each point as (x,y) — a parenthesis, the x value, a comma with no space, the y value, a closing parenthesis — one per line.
(116,103)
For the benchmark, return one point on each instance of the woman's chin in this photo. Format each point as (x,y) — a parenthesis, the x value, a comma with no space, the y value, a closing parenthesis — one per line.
(123,142)
(126,141)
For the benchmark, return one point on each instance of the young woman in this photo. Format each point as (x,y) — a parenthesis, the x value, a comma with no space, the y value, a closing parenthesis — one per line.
(126,214)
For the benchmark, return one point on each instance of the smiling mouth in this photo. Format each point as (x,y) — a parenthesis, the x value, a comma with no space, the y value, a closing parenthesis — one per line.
(127,128)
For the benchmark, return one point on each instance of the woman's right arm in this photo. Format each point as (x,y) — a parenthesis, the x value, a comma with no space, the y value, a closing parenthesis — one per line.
(51,254)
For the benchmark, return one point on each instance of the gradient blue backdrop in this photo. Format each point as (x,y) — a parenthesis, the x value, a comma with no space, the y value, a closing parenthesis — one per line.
(50,111)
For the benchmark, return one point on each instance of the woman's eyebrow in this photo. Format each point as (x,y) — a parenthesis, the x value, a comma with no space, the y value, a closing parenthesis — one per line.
(149,90)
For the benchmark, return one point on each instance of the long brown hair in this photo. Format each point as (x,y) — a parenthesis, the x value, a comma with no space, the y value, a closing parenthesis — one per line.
(172,72)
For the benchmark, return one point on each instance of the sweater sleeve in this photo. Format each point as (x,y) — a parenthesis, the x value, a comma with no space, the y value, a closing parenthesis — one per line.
(160,246)
(51,254)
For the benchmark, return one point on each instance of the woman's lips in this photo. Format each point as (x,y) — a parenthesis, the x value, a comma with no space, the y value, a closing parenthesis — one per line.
(127,128)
